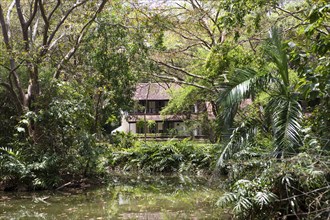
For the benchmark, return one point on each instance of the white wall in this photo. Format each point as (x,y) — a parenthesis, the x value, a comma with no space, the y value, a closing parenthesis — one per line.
(132,128)
(124,123)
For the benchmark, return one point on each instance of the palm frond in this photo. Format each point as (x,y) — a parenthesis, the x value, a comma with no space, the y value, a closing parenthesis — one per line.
(242,206)
(264,198)
(239,139)
(227,199)
(241,87)
(276,53)
(286,114)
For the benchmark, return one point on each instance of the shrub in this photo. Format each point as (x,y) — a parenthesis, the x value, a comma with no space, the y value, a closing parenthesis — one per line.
(166,157)
(295,187)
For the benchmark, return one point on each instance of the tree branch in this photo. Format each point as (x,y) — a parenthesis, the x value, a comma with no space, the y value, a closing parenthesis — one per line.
(26,24)
(52,35)
(56,40)
(35,30)
(197,6)
(205,43)
(54,9)
(182,70)
(298,18)
(34,12)
(12,93)
(13,66)
(20,13)
(4,28)
(178,81)
(180,50)
(46,21)
(10,9)
(78,40)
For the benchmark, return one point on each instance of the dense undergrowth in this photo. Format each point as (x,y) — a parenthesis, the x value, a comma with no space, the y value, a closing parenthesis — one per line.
(165,157)
(264,187)
(87,159)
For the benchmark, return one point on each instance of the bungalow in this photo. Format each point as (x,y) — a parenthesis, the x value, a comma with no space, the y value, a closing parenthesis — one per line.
(145,118)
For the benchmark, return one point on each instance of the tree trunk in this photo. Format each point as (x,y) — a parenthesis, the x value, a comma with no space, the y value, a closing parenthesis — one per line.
(31,98)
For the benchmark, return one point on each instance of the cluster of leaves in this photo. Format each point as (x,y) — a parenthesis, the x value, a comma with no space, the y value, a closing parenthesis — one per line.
(288,119)
(20,173)
(7,119)
(264,186)
(165,157)
(67,148)
(55,137)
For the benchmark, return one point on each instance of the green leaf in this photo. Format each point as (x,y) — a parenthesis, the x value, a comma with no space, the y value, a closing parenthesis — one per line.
(287,117)
(264,198)
(20,129)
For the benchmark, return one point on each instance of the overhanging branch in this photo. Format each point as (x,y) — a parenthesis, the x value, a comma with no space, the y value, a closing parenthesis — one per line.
(73,50)
(178,81)
(182,71)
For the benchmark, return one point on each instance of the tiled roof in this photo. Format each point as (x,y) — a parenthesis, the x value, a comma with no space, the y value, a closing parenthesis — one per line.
(154,91)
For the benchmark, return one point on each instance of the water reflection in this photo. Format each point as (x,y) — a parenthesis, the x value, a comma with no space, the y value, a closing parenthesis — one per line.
(125,197)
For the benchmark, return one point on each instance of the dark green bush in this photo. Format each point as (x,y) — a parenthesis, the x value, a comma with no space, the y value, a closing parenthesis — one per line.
(166,157)
(64,149)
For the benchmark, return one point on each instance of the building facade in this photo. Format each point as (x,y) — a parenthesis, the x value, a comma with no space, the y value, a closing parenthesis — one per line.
(146,119)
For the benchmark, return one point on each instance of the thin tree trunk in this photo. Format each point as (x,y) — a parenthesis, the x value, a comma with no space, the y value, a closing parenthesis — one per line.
(145,113)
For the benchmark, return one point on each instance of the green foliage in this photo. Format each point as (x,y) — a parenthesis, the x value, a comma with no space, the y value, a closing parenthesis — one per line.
(182,101)
(123,140)
(109,53)
(264,186)
(68,116)
(8,120)
(224,59)
(288,118)
(236,11)
(283,111)
(67,147)
(247,198)
(165,157)
(241,137)
(20,173)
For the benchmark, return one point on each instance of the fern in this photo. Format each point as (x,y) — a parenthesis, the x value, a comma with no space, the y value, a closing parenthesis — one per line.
(227,199)
(264,198)
(242,206)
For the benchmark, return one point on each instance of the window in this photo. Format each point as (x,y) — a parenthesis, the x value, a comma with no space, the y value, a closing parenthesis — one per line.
(151,107)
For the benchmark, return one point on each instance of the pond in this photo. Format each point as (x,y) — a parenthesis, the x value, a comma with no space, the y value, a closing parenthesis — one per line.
(124,197)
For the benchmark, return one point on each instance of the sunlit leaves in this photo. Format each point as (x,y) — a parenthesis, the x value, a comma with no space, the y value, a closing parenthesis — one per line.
(166,157)
(243,86)
(284,110)
(264,198)
(245,196)
(227,198)
(276,53)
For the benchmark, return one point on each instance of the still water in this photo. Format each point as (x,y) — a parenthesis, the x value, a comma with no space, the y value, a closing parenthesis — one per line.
(161,197)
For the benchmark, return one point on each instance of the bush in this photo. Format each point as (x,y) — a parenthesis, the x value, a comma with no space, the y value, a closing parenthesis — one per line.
(265,187)
(165,157)
(122,139)
(65,148)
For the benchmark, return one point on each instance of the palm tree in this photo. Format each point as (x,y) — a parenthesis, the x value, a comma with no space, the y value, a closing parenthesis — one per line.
(283,109)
